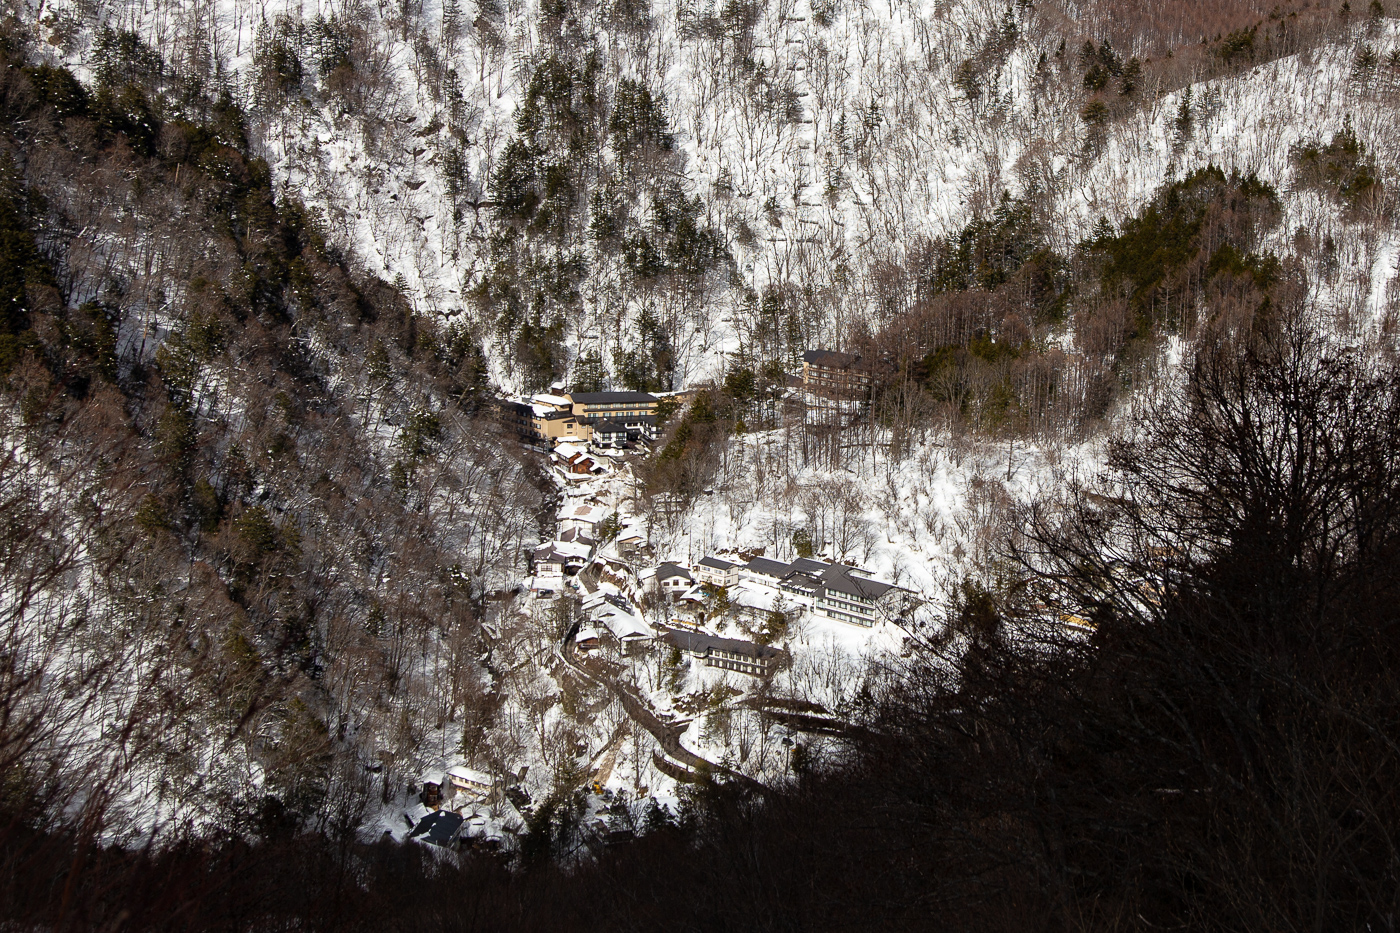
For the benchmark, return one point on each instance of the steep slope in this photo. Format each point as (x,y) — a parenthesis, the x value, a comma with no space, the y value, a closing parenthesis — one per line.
(253,519)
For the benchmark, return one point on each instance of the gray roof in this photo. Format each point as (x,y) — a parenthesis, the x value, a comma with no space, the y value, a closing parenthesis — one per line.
(840,579)
(610,398)
(700,643)
(801,581)
(438,828)
(808,565)
(767,567)
(830,358)
(717,563)
(608,427)
(668,570)
(620,602)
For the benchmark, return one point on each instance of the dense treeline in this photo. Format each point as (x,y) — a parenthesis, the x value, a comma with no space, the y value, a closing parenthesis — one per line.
(250,523)
(1174,705)
(250,514)
(1008,338)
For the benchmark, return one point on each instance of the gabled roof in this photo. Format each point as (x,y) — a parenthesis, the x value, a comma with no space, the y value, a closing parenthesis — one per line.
(438,828)
(840,580)
(801,581)
(717,563)
(469,775)
(830,358)
(608,427)
(700,643)
(606,398)
(576,536)
(753,597)
(808,565)
(669,570)
(768,568)
(575,549)
(623,624)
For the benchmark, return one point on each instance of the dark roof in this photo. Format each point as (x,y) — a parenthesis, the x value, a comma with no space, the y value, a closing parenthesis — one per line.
(840,580)
(668,570)
(556,415)
(830,358)
(801,581)
(769,568)
(577,535)
(613,599)
(606,398)
(808,565)
(438,828)
(638,419)
(701,643)
(608,427)
(717,563)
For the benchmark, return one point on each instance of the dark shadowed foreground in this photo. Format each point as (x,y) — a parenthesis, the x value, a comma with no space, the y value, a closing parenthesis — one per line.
(1175,708)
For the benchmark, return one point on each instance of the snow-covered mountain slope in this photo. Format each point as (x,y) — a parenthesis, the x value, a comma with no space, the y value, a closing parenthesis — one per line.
(826,144)
(609,195)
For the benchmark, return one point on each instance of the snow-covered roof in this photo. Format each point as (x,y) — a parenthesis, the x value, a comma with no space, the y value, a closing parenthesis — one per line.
(748,596)
(624,625)
(573,549)
(590,514)
(469,775)
(553,401)
(435,776)
(567,449)
(576,535)
(587,633)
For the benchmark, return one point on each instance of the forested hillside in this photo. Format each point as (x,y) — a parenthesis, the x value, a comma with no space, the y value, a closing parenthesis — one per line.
(1123,282)
(250,513)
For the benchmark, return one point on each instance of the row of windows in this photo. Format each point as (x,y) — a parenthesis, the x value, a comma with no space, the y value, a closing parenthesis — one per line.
(848,617)
(857,603)
(717,653)
(734,666)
